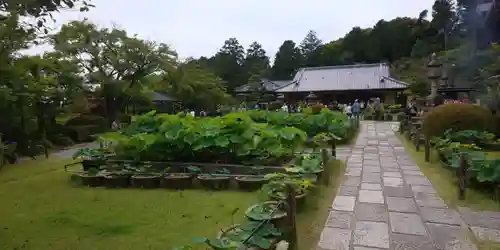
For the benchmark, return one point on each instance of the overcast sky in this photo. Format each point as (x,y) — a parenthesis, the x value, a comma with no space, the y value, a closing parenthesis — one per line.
(199,27)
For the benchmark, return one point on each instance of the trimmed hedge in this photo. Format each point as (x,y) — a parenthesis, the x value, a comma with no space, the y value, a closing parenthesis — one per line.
(457,116)
(316,108)
(83,126)
(83,120)
(84,133)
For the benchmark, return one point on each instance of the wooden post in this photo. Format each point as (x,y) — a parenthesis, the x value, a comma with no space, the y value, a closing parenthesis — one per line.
(427,150)
(334,148)
(462,176)
(326,167)
(291,213)
(417,139)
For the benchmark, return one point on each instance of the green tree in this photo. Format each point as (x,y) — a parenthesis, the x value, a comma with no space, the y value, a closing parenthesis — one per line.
(310,49)
(443,21)
(113,60)
(228,64)
(194,86)
(256,63)
(287,60)
(39,8)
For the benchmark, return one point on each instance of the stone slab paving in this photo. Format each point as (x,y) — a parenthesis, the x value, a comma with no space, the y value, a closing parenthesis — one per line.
(485,225)
(385,202)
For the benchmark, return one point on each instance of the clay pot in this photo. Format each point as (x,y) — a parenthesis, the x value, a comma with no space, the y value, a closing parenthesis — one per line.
(214,182)
(146,181)
(91,180)
(178,181)
(251,183)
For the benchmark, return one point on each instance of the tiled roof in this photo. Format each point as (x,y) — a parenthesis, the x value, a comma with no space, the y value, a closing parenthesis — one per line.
(347,77)
(267,84)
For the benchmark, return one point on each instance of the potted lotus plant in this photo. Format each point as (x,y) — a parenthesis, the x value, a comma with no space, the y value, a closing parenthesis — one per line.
(146,177)
(180,181)
(117,175)
(91,158)
(218,181)
(276,189)
(252,182)
(92,177)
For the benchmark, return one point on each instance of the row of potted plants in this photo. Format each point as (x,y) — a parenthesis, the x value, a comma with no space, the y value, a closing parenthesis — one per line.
(220,180)
(266,220)
(125,175)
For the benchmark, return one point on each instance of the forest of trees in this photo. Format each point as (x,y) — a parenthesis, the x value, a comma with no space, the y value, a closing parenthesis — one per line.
(446,28)
(117,69)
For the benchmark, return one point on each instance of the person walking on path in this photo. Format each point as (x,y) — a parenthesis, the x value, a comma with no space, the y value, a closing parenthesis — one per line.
(376,108)
(356,109)
(348,110)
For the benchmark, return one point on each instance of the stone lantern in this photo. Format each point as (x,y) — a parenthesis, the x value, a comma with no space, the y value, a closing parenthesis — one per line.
(435,76)
(311,98)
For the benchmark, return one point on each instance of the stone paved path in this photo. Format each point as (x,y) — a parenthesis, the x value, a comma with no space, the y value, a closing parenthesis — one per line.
(385,202)
(485,224)
(68,153)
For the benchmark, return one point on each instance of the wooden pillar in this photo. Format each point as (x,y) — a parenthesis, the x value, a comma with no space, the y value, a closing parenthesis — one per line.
(291,213)
(427,150)
(462,176)
(334,148)
(326,168)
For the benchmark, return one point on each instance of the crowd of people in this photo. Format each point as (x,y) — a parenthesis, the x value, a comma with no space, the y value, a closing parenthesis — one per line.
(354,109)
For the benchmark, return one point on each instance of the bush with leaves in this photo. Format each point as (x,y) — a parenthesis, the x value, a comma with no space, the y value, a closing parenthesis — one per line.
(233,138)
(326,121)
(458,117)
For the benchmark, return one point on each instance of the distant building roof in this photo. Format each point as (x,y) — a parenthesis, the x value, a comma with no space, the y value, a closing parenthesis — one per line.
(161,97)
(268,85)
(484,7)
(346,77)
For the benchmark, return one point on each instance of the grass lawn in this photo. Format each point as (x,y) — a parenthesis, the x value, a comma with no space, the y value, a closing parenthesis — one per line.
(41,210)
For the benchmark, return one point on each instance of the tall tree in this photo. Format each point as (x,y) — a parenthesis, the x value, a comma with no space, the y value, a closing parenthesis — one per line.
(443,20)
(310,49)
(228,63)
(256,63)
(113,60)
(286,61)
(194,85)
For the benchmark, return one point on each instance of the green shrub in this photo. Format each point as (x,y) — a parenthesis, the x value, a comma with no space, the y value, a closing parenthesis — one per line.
(84,120)
(61,140)
(316,108)
(275,106)
(124,118)
(458,117)
(496,124)
(83,133)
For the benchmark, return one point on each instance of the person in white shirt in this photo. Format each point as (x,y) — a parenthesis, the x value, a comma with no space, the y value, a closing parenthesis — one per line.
(284,108)
(192,113)
(348,110)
